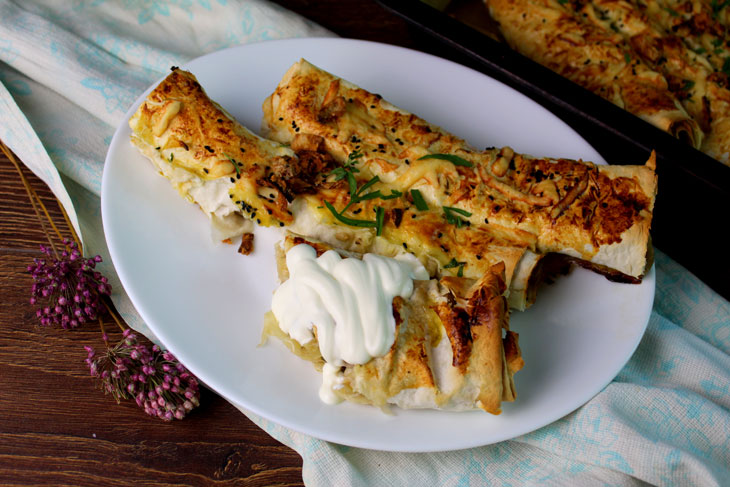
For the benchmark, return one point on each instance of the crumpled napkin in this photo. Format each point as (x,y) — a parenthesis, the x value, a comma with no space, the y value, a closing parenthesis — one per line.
(70,70)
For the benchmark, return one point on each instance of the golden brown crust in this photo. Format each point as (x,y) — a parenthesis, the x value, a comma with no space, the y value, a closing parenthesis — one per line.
(487,311)
(596,58)
(685,42)
(190,131)
(565,206)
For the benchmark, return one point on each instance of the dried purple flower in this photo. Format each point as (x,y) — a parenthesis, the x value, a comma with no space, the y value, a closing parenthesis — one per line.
(66,288)
(160,384)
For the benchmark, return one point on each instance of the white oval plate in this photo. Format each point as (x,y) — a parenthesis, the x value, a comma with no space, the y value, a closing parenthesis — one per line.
(206,302)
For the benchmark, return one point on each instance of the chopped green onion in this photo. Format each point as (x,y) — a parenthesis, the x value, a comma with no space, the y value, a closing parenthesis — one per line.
(365,186)
(457,210)
(418,200)
(352,183)
(379,219)
(452,217)
(455,160)
(351,221)
(394,193)
(235,165)
(454,263)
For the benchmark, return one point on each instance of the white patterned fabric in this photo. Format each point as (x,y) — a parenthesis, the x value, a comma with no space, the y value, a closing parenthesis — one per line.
(70,70)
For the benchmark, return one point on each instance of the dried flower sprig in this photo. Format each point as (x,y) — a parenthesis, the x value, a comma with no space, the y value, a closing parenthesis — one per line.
(67,288)
(160,384)
(70,292)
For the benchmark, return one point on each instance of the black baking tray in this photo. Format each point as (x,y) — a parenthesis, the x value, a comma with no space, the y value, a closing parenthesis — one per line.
(694,189)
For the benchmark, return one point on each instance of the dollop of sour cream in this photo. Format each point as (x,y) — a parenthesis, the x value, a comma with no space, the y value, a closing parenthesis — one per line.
(349,300)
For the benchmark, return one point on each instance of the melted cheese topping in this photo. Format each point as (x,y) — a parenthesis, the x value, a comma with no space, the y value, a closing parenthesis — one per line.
(562,204)
(349,301)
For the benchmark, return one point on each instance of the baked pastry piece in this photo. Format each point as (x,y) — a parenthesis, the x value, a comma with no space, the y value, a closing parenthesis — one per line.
(452,350)
(599,215)
(445,249)
(597,59)
(209,157)
(685,45)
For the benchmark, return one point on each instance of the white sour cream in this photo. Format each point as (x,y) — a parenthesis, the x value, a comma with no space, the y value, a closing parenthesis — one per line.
(349,301)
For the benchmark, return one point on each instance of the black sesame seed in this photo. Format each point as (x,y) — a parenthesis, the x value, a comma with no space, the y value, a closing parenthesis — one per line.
(205,170)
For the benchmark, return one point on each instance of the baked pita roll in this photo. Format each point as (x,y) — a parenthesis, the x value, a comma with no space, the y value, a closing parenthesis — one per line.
(452,348)
(210,158)
(598,215)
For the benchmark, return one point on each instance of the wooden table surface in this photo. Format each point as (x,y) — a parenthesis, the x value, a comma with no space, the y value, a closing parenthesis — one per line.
(58,428)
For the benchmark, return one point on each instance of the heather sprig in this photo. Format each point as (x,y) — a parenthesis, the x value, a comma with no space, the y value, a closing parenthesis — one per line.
(66,287)
(160,384)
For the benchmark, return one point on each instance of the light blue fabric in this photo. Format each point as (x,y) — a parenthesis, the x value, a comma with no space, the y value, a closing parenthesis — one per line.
(69,71)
